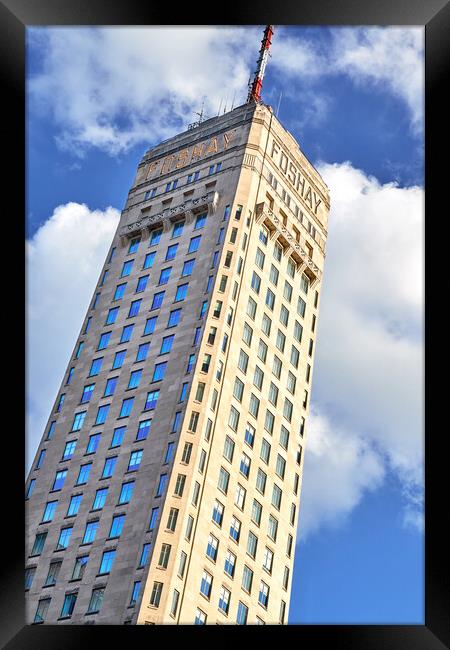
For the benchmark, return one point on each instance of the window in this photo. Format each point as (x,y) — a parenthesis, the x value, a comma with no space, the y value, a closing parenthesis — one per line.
(135,593)
(270,299)
(107,562)
(287,291)
(262,351)
(177,229)
(90,531)
(119,358)
(194,244)
(49,511)
(126,408)
(171,185)
(78,421)
(134,245)
(100,499)
(150,325)
(269,421)
(256,512)
(179,485)
(83,474)
(247,334)
(157,300)
(51,429)
(284,437)
(239,497)
(159,371)
(253,406)
(95,604)
(64,538)
(233,420)
(288,408)
(69,450)
(144,555)
(40,459)
(251,308)
(126,492)
(228,449)
(38,544)
(74,505)
(284,316)
(193,177)
(273,394)
(242,614)
(302,426)
(186,453)
(291,381)
(109,466)
(206,584)
(153,518)
(53,573)
(30,489)
(243,361)
(134,309)
(217,515)
(265,451)
(102,414)
(149,259)
(272,528)
(263,596)
(93,443)
(155,237)
(78,350)
(224,600)
(181,292)
(142,283)
(59,480)
(87,393)
(151,401)
(42,609)
(171,253)
(69,376)
(182,564)
(135,460)
(301,307)
(224,478)
(110,386)
(161,485)
(164,277)
(235,529)
(295,356)
(112,316)
(261,481)
(276,497)
(164,556)
(211,548)
(200,221)
(247,578)
(135,378)
(304,283)
(256,282)
(267,560)
(126,269)
(249,435)
(244,466)
(120,290)
(116,526)
(238,390)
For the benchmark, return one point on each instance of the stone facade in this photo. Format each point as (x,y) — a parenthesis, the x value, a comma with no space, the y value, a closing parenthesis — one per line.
(241,184)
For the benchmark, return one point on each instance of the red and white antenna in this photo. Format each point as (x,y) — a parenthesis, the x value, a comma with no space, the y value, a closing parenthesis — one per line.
(254,92)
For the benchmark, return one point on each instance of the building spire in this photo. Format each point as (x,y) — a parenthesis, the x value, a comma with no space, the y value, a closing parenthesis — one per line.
(254,92)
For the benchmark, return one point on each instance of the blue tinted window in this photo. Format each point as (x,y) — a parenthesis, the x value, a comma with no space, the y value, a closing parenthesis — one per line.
(68,605)
(153,518)
(184,389)
(102,414)
(119,358)
(149,259)
(96,366)
(90,532)
(83,474)
(174,318)
(49,511)
(74,505)
(135,378)
(151,401)
(181,292)
(143,429)
(134,308)
(126,492)
(126,333)
(164,275)
(215,258)
(145,554)
(135,460)
(117,437)
(134,245)
(157,300)
(40,459)
(69,449)
(178,229)
(159,371)
(166,344)
(176,421)
(120,290)
(64,538)
(150,325)
(126,269)
(31,485)
(155,237)
(187,268)
(107,561)
(142,283)
(60,402)
(200,221)
(100,499)
(78,421)
(105,275)
(127,406)
(109,466)
(191,363)
(194,244)
(104,340)
(161,485)
(142,351)
(210,283)
(204,308)
(171,252)
(112,315)
(51,429)
(117,526)
(110,386)
(70,375)
(93,443)
(169,452)
(87,393)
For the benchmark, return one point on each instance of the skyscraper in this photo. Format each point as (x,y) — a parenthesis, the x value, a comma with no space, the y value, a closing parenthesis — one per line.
(166,485)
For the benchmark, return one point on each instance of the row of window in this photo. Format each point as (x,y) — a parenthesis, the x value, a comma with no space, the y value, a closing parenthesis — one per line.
(172,185)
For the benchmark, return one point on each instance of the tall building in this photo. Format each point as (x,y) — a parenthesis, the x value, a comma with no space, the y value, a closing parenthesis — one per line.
(166,486)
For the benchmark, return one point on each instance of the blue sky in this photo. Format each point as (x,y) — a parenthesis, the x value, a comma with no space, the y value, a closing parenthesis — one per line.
(353,99)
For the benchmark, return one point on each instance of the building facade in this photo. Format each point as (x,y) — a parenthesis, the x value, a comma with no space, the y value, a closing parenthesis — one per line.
(166,485)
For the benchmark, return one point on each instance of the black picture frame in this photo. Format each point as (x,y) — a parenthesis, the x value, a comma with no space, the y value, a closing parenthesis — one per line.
(15,16)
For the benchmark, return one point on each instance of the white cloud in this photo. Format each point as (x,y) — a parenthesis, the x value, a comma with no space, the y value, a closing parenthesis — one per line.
(368,377)
(64,259)
(113,88)
(391,58)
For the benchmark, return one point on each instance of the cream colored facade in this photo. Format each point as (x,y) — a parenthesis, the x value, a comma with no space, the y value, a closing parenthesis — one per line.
(228,514)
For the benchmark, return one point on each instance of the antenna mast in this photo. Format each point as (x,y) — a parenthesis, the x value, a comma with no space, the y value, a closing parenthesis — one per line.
(254,92)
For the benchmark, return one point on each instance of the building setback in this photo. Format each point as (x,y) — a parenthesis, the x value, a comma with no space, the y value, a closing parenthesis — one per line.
(166,485)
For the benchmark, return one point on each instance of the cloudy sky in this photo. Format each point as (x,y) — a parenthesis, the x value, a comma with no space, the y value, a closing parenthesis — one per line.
(353,99)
